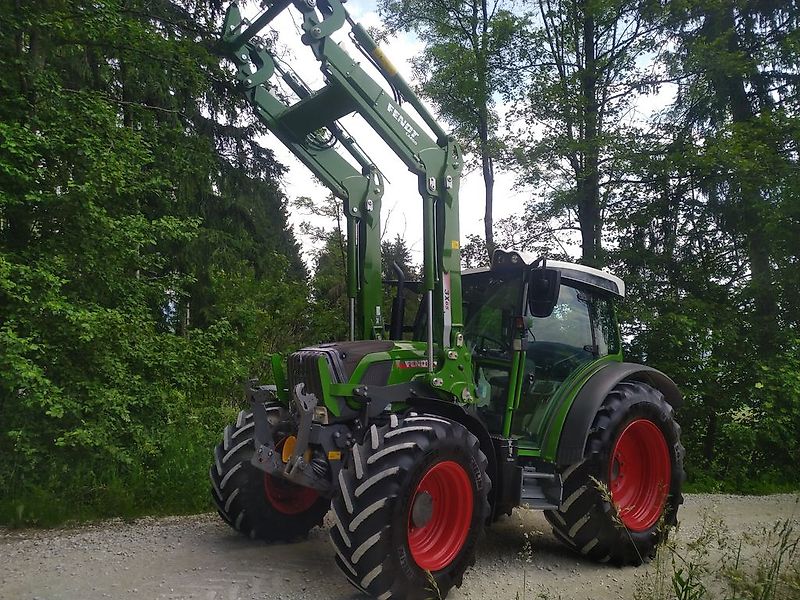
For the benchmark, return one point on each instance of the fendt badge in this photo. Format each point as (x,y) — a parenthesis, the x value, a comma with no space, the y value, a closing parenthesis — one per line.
(407,127)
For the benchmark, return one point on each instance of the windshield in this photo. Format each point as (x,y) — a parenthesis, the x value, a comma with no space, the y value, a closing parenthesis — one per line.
(489,303)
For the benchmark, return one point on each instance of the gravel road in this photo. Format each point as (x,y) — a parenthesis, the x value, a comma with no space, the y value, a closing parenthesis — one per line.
(199,557)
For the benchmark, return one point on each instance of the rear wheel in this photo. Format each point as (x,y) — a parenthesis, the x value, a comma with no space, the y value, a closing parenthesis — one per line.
(623,496)
(252,502)
(413,502)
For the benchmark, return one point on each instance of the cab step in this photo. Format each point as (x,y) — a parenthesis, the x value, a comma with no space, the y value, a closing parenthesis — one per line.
(540,490)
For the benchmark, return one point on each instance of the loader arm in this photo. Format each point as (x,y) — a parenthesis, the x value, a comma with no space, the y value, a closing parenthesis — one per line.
(309,128)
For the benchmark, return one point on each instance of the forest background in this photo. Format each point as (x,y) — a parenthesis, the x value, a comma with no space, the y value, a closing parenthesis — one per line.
(147,268)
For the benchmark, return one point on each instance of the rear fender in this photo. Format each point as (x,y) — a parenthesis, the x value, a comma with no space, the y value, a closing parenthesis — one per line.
(572,441)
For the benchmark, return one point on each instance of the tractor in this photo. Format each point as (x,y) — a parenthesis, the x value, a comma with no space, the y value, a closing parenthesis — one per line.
(508,388)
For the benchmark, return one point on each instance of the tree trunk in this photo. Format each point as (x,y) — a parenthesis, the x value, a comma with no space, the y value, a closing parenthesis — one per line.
(487,164)
(488,183)
(588,185)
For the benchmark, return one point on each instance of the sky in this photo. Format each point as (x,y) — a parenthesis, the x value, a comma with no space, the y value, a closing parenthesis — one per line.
(402,205)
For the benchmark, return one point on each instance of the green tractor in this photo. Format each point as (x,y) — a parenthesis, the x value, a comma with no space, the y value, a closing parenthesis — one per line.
(508,388)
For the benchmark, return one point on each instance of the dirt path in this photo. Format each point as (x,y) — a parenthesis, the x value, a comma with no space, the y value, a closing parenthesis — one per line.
(201,558)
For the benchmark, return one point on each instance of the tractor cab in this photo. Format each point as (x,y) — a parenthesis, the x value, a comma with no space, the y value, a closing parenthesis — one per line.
(526,360)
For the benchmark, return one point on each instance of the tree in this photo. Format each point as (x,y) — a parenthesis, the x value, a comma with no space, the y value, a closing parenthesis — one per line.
(145,265)
(737,109)
(704,237)
(466,67)
(585,76)
(396,251)
(329,308)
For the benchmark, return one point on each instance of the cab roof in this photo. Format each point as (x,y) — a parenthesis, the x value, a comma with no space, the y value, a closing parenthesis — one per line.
(600,280)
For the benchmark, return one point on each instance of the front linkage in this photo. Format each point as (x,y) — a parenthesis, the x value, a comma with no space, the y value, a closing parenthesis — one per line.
(313,456)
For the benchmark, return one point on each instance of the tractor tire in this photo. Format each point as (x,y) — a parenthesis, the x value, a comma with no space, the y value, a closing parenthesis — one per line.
(411,507)
(622,498)
(254,503)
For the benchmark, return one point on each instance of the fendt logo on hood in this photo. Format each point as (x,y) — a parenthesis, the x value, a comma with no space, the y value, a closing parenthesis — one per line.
(412,364)
(407,127)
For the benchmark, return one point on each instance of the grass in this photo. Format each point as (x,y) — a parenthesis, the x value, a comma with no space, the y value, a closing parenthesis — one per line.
(713,564)
(432,588)
(716,565)
(526,554)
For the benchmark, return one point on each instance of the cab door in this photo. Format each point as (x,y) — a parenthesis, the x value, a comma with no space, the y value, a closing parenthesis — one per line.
(579,332)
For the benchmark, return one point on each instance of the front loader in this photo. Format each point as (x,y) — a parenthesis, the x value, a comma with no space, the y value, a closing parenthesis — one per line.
(507,389)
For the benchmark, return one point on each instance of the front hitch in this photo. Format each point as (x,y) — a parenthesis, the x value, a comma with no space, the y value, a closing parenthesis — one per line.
(269,458)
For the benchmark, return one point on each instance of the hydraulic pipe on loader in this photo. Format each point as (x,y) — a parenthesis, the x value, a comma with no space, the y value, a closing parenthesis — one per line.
(389,71)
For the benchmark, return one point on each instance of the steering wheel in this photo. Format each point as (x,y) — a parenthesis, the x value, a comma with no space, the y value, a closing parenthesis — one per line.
(501,346)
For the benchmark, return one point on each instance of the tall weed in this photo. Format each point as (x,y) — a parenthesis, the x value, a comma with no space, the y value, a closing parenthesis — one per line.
(714,564)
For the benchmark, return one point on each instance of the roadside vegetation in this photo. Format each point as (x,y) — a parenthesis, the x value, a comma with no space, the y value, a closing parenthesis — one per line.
(715,565)
(147,267)
(709,562)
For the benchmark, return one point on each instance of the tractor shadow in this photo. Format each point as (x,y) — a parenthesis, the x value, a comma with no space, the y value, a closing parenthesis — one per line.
(305,569)
(524,537)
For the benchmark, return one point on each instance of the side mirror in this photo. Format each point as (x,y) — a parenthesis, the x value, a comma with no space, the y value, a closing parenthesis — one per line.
(543,288)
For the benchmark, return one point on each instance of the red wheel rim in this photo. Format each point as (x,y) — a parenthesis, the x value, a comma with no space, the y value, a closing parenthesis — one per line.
(286,497)
(440,515)
(639,474)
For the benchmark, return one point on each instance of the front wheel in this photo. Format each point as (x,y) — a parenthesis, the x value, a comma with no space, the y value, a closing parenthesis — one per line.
(412,504)
(622,497)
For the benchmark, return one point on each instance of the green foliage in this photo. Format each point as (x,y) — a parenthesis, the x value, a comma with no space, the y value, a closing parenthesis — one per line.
(145,266)
(703,229)
(471,60)
(329,282)
(328,314)
(469,63)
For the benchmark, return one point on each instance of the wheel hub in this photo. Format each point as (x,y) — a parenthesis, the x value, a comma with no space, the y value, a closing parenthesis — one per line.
(287,497)
(284,496)
(422,510)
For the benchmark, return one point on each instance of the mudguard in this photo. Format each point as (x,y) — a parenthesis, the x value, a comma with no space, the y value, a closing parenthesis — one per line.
(589,399)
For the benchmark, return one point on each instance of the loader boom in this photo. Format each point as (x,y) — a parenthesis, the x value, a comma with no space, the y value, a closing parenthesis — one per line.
(309,128)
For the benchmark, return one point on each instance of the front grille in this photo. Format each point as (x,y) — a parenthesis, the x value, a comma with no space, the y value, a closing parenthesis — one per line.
(302,368)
